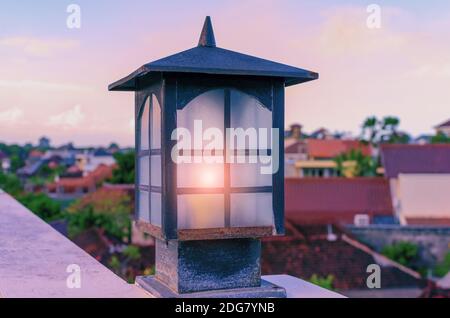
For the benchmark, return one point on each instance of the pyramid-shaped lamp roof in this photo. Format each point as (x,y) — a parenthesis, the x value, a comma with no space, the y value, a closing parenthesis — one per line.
(206,58)
(207,36)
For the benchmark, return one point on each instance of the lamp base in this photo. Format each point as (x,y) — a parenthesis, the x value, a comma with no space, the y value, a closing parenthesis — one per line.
(159,290)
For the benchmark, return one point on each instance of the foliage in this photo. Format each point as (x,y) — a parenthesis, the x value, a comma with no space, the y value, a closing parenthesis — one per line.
(324,282)
(132,252)
(10,183)
(402,252)
(108,210)
(16,153)
(116,225)
(114,263)
(149,271)
(355,164)
(440,138)
(124,173)
(375,131)
(16,162)
(41,205)
(120,263)
(443,267)
(50,173)
(113,145)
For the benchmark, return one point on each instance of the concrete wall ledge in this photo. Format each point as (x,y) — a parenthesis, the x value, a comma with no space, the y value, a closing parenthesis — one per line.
(34,259)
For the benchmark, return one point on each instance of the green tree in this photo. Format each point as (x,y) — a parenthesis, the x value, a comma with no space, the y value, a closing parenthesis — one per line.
(109,211)
(48,174)
(370,130)
(443,267)
(114,264)
(117,225)
(375,131)
(440,138)
(16,162)
(120,263)
(355,164)
(16,153)
(113,145)
(402,252)
(324,282)
(124,173)
(10,183)
(41,205)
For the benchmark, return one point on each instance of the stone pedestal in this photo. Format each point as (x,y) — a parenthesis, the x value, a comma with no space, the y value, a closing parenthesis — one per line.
(267,290)
(212,268)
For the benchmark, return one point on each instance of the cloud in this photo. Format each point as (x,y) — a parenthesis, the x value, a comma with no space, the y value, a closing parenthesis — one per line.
(36,46)
(68,119)
(11,116)
(345,32)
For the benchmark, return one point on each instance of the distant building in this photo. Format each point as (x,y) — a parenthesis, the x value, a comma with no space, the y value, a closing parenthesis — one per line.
(5,162)
(443,128)
(315,157)
(322,133)
(61,156)
(34,156)
(294,152)
(295,132)
(89,161)
(422,139)
(68,147)
(74,188)
(44,143)
(419,177)
(29,170)
(360,201)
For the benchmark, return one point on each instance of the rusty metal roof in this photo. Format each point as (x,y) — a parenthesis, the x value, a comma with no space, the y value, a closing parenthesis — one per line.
(206,58)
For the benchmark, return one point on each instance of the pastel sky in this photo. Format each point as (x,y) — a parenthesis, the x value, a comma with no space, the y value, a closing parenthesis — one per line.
(53,80)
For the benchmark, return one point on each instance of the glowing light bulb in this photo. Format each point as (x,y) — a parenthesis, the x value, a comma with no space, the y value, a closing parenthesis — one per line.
(208,177)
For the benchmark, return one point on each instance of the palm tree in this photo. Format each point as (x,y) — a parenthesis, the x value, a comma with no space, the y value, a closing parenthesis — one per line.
(370,126)
(355,164)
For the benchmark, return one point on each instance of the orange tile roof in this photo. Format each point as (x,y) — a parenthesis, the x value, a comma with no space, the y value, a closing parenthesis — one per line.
(101,173)
(330,148)
(36,153)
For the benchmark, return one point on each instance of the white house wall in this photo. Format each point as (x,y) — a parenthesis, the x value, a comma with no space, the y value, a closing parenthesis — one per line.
(422,195)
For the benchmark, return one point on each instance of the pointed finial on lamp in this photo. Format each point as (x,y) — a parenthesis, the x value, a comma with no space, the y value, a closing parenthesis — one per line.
(207,36)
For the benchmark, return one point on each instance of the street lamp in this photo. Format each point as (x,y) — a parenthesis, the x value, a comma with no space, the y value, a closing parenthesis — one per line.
(210,166)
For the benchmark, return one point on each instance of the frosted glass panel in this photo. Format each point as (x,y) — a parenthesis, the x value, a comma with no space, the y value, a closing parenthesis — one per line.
(156,124)
(200,211)
(204,175)
(145,126)
(156,170)
(209,108)
(143,170)
(155,201)
(248,114)
(251,209)
(249,175)
(247,111)
(143,206)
